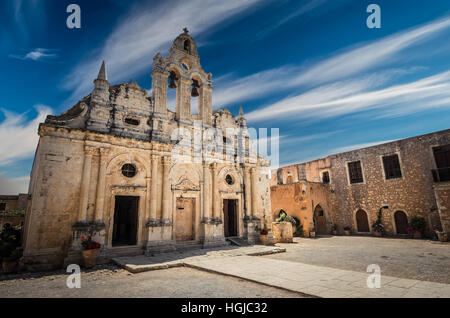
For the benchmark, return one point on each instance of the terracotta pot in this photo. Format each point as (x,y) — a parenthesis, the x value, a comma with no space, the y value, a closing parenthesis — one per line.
(90,257)
(312,234)
(263,239)
(347,233)
(9,266)
(417,235)
(377,234)
(443,237)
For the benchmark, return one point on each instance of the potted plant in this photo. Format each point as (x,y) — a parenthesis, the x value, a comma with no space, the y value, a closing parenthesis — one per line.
(334,229)
(378,229)
(299,231)
(263,236)
(312,232)
(91,249)
(10,241)
(442,235)
(418,225)
(347,229)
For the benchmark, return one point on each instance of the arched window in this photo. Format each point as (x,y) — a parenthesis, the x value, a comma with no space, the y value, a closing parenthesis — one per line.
(187,46)
(362,222)
(401,222)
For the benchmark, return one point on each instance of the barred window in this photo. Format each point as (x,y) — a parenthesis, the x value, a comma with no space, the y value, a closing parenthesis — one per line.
(128,170)
(392,167)
(355,172)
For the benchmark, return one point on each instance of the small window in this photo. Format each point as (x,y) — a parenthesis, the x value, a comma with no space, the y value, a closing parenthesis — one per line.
(128,170)
(229,179)
(3,206)
(355,172)
(325,177)
(321,213)
(392,167)
(132,121)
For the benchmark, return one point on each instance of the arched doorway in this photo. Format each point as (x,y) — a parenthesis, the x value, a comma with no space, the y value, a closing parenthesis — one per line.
(320,221)
(401,222)
(289,180)
(362,222)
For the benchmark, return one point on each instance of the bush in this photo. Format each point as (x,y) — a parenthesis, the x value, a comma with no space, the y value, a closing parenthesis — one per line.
(418,224)
(299,231)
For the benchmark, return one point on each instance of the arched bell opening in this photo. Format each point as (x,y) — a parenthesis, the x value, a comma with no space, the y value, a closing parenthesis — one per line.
(196,93)
(173,84)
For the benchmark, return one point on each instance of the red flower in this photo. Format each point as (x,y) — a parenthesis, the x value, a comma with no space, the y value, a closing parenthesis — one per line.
(82,238)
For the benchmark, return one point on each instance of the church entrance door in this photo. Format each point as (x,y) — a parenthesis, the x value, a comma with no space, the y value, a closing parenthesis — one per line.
(230,218)
(184,222)
(125,221)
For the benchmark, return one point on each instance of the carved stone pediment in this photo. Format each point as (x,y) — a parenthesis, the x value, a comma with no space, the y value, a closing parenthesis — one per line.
(185,184)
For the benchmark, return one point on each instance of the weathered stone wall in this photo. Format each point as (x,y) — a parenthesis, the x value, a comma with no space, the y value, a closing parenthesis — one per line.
(300,199)
(414,193)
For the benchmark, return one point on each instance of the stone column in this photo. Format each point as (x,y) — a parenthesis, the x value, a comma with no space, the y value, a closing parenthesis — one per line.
(166,191)
(214,195)
(206,193)
(205,104)
(248,193)
(183,103)
(159,91)
(100,201)
(254,192)
(84,191)
(147,196)
(154,189)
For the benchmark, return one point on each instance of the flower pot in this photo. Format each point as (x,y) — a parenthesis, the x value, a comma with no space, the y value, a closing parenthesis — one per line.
(334,232)
(347,233)
(9,266)
(443,237)
(417,235)
(312,234)
(263,239)
(377,234)
(90,257)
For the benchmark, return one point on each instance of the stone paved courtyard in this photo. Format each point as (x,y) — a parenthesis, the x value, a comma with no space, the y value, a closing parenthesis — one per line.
(111,281)
(323,267)
(405,258)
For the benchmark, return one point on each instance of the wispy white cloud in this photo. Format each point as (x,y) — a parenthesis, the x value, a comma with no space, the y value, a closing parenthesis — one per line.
(351,62)
(349,97)
(19,136)
(145,31)
(357,146)
(38,54)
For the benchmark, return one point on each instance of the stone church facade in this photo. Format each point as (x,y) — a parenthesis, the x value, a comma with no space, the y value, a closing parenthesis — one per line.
(120,164)
(404,179)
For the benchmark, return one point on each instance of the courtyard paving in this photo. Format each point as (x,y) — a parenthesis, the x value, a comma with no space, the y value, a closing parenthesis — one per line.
(111,281)
(404,258)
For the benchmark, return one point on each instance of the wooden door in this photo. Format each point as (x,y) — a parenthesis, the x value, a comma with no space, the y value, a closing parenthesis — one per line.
(320,220)
(362,223)
(401,222)
(184,222)
(230,218)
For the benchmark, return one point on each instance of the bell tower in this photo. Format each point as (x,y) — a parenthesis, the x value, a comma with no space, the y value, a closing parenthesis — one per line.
(182,71)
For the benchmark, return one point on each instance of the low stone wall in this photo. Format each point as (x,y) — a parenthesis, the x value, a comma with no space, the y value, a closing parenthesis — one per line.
(282,232)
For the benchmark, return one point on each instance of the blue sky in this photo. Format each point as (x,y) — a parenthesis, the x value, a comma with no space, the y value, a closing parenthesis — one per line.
(311,68)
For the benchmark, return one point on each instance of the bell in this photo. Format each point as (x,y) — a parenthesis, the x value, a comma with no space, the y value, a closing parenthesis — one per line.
(194,92)
(173,78)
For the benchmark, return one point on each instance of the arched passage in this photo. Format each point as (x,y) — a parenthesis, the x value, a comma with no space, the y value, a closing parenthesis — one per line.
(362,222)
(401,222)
(320,221)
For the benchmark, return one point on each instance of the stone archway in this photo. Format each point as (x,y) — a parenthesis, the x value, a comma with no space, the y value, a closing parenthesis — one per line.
(320,220)
(401,222)
(362,222)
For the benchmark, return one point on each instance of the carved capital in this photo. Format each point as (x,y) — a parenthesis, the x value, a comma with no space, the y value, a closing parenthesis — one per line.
(89,150)
(166,160)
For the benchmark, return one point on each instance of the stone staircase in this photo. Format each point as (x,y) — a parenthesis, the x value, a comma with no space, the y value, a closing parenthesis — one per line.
(238,241)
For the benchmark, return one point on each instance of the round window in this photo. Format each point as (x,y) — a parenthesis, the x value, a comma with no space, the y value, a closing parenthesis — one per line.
(229,179)
(128,170)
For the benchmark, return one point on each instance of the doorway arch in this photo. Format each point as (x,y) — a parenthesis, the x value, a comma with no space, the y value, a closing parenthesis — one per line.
(362,221)
(320,220)
(401,222)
